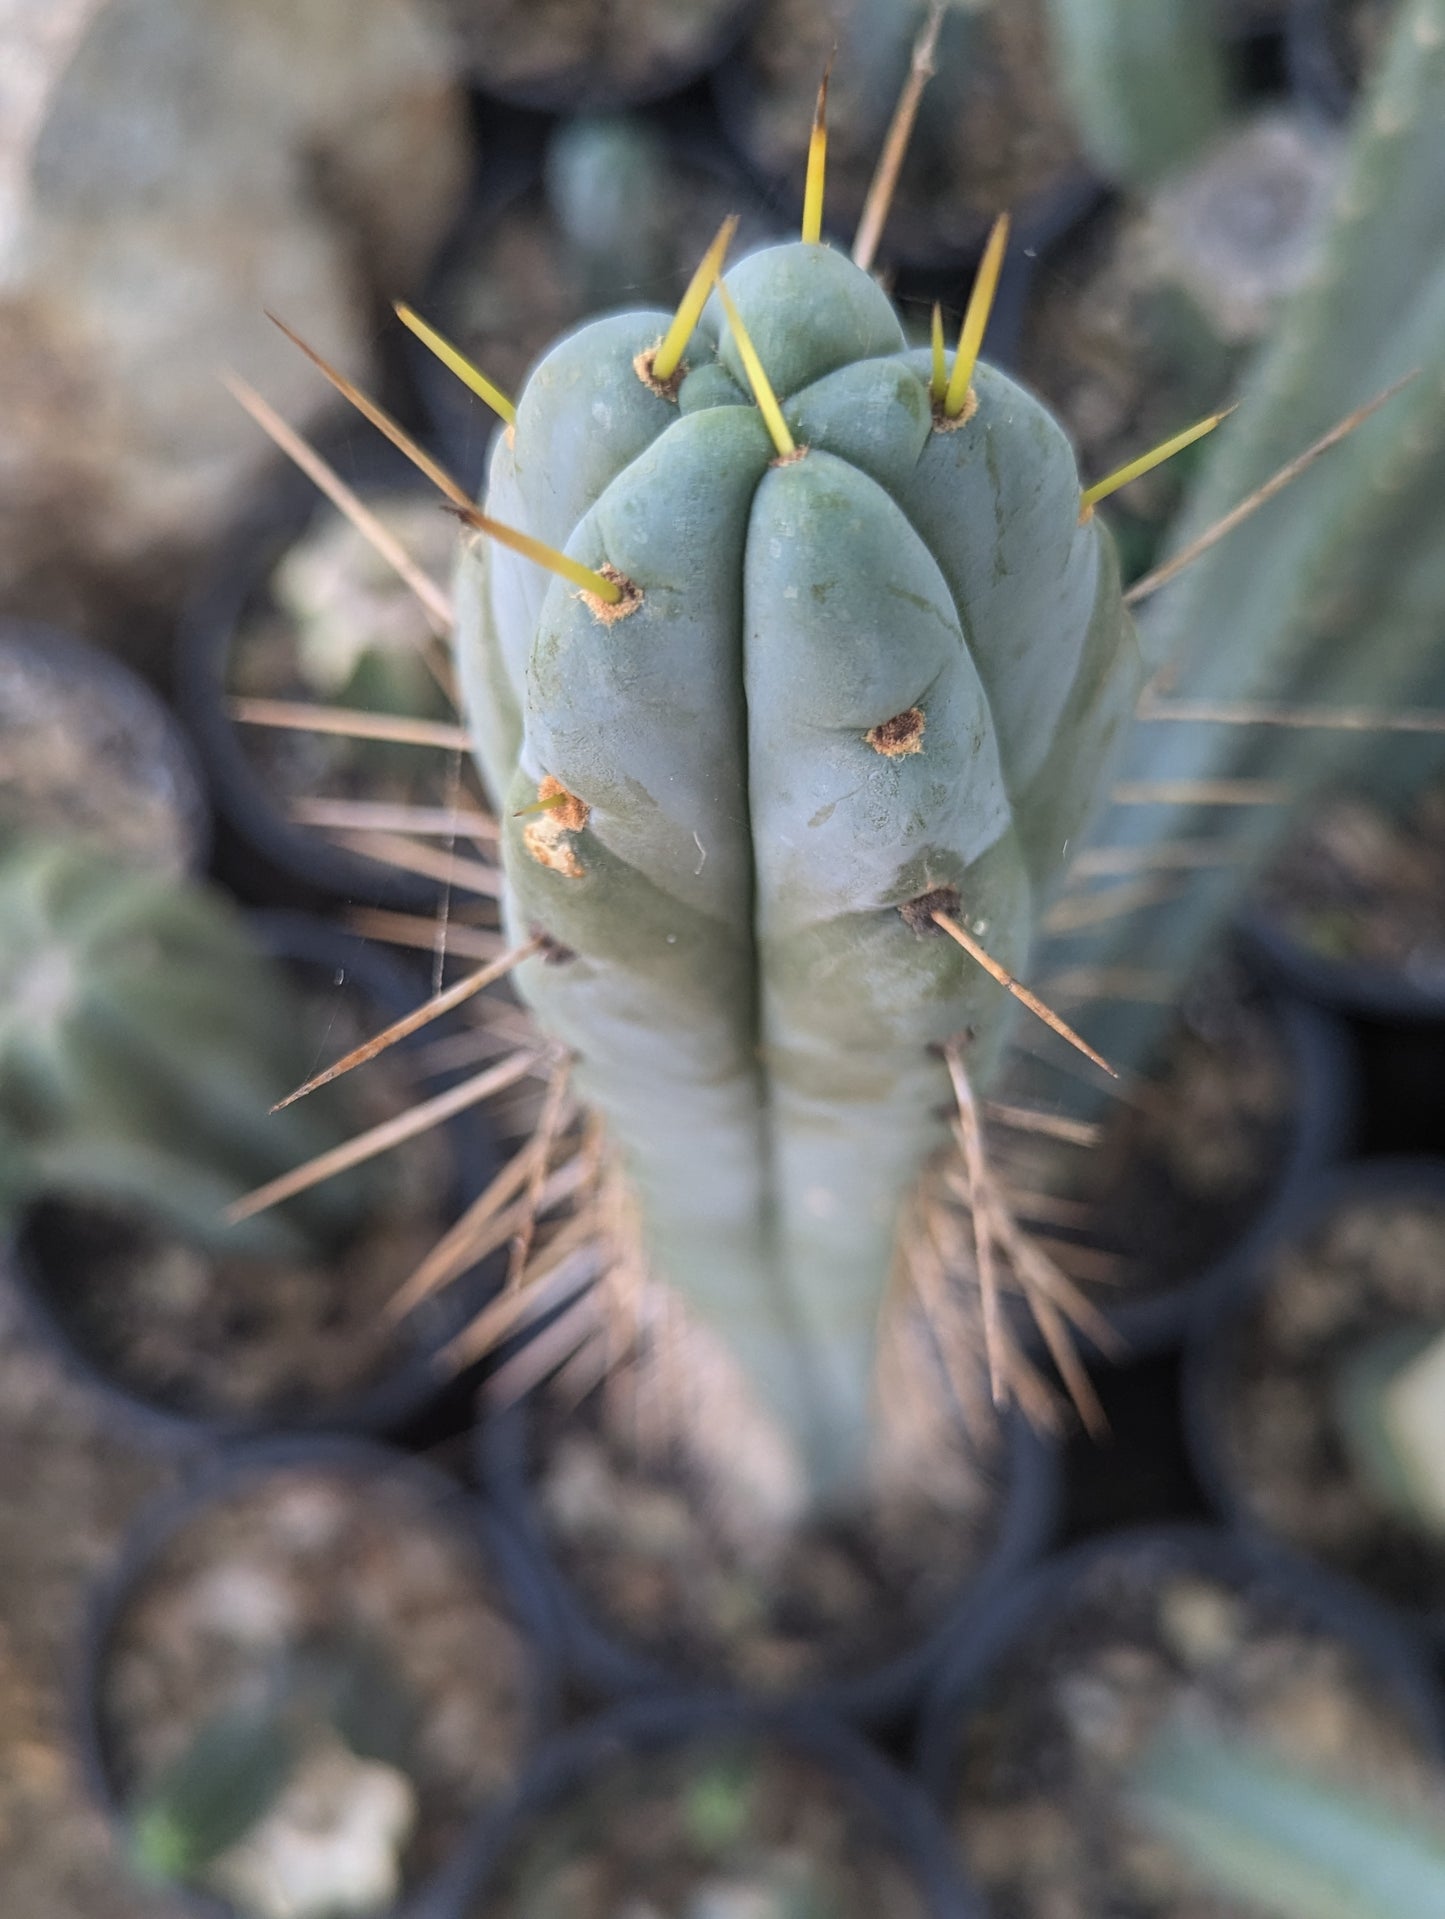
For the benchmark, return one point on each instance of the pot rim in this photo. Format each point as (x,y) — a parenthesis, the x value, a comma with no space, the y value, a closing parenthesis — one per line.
(132,697)
(1337,1605)
(1214,1335)
(232,1468)
(880,1694)
(403,1389)
(906,1822)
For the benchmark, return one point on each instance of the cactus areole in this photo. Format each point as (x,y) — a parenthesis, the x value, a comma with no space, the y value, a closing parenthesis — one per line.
(847,685)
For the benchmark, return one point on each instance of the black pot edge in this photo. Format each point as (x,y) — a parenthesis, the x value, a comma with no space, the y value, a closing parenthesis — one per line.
(280,510)
(1323,1058)
(573,92)
(230,1468)
(378,1410)
(905,1819)
(605,1665)
(1342,986)
(1312,61)
(93,662)
(1390,1647)
(1212,1334)
(1038,222)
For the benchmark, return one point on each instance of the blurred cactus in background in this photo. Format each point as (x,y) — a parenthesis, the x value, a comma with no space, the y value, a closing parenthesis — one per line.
(143,1043)
(1147,84)
(1330,598)
(1284,1844)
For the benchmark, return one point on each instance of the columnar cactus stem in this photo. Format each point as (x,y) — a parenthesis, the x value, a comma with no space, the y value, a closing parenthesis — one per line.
(1329,596)
(873,673)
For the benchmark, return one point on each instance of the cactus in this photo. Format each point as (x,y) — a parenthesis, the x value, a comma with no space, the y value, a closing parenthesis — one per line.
(606,178)
(1390,1412)
(336,1701)
(1330,595)
(1283,1842)
(866,663)
(142,1045)
(1147,84)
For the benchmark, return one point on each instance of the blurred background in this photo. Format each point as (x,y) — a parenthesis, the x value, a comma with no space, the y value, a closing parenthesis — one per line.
(172,170)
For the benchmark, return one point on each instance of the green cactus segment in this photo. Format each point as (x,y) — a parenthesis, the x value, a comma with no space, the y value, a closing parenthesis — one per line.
(1287,1844)
(812,718)
(1147,84)
(142,1044)
(220,1787)
(1329,596)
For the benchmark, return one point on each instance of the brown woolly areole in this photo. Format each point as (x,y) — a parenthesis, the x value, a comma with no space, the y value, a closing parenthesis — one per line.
(918,914)
(609,612)
(549,838)
(901,735)
(664,389)
(554,953)
(951,422)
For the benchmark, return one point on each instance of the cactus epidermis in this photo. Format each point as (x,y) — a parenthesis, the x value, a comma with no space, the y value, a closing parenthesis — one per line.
(889,666)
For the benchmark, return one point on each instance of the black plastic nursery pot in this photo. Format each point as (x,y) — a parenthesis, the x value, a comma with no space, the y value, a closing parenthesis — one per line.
(627,56)
(1320,1126)
(1363,989)
(1325,60)
(57,1249)
(124,759)
(1262,1361)
(255,771)
(891,1814)
(481,1547)
(1021,1714)
(610,1666)
(931,232)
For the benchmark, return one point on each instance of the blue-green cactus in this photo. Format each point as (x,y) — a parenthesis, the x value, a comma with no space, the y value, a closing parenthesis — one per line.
(1330,596)
(143,1042)
(1147,84)
(1283,1843)
(881,673)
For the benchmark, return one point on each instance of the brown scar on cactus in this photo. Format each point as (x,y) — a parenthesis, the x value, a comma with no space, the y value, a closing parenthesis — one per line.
(661,367)
(918,914)
(553,952)
(548,838)
(900,736)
